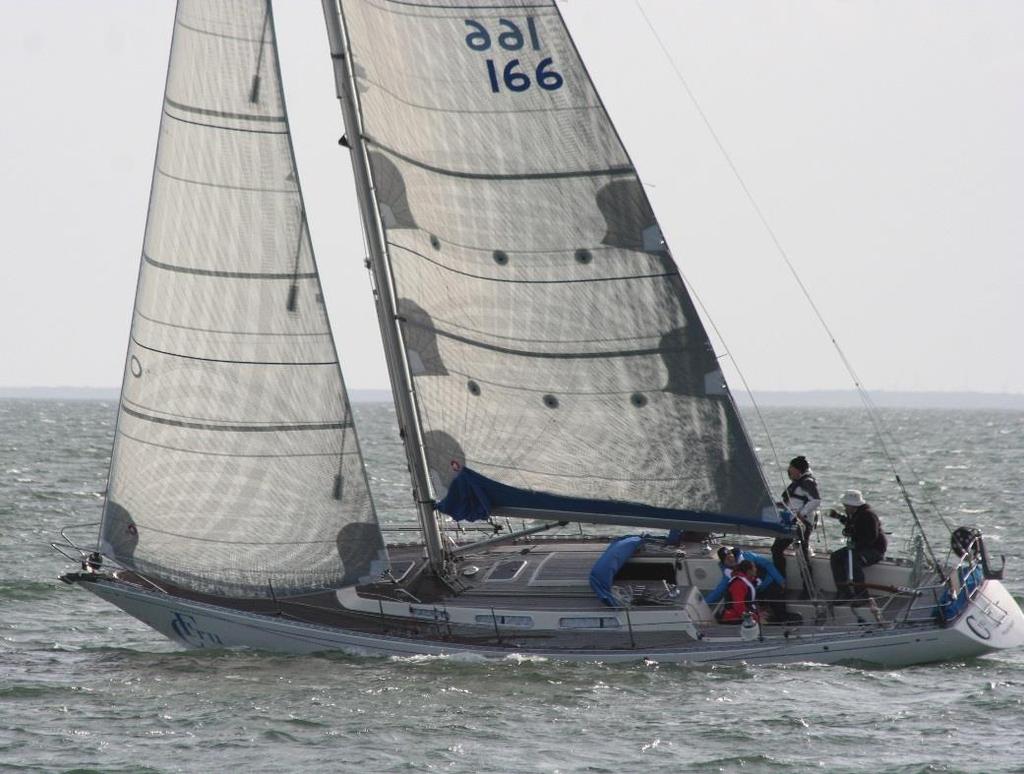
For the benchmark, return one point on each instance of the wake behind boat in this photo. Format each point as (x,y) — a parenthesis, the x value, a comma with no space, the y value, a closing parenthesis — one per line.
(547,361)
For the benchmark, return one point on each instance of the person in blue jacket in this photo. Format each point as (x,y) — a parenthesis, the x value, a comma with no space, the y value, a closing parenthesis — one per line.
(771,584)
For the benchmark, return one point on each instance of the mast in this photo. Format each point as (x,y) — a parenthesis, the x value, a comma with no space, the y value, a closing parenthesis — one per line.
(384,289)
(538,329)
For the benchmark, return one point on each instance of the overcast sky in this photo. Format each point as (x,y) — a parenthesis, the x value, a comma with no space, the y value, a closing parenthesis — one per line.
(881,140)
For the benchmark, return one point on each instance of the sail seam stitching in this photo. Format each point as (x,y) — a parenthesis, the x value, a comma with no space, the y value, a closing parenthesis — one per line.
(184,450)
(226,333)
(226,186)
(221,35)
(137,343)
(607,172)
(530,281)
(223,114)
(224,128)
(235,428)
(226,274)
(547,355)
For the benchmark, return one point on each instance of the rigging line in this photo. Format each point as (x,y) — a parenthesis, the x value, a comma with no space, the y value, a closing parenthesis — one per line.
(727,352)
(739,372)
(924,495)
(869,405)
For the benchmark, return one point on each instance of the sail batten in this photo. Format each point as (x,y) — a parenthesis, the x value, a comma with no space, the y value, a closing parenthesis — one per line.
(236,469)
(551,342)
(566,174)
(222,114)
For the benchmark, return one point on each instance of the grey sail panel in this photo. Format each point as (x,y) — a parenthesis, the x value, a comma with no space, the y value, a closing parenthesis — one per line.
(236,469)
(552,343)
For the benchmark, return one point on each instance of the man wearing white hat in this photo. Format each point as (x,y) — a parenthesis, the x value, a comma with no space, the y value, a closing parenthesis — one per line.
(866,546)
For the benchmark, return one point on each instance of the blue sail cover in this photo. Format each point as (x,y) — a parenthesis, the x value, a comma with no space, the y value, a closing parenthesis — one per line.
(473,497)
(610,562)
(468,498)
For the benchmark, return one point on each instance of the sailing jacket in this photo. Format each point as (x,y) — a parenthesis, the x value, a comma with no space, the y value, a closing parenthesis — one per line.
(802,498)
(765,569)
(740,598)
(865,530)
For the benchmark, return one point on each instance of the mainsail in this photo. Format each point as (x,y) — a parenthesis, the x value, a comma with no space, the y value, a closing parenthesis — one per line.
(236,469)
(552,346)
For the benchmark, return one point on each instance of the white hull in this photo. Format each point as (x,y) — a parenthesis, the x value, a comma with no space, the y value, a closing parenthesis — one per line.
(993,621)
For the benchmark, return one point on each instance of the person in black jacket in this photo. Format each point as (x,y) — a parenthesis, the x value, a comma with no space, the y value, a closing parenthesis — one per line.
(866,545)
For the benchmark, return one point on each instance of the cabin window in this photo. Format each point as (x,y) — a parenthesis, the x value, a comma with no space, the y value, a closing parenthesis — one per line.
(590,622)
(518,621)
(506,571)
(429,613)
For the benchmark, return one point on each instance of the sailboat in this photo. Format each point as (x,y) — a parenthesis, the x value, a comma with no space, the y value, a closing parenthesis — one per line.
(548,366)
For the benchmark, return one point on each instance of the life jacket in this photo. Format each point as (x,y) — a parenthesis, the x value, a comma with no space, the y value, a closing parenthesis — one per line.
(800,492)
(740,596)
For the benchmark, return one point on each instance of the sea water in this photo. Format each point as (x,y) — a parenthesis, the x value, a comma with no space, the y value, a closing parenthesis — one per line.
(84,687)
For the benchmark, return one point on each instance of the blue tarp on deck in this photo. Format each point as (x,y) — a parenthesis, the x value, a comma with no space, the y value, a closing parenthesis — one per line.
(610,562)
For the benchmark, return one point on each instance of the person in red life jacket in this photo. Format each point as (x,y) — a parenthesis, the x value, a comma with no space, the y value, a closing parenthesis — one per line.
(771,585)
(741,593)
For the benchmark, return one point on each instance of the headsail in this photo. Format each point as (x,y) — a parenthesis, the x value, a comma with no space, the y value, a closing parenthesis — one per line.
(236,469)
(552,344)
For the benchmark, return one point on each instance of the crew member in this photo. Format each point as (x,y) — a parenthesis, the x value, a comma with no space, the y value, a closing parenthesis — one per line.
(770,583)
(741,593)
(866,545)
(802,498)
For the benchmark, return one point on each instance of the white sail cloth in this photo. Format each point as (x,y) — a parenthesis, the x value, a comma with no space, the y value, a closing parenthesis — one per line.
(236,469)
(552,344)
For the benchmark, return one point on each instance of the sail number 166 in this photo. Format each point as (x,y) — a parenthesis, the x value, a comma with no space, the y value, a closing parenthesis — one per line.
(512,38)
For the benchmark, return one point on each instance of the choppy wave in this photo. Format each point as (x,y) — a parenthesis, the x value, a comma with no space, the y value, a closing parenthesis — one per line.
(84,687)
(25,591)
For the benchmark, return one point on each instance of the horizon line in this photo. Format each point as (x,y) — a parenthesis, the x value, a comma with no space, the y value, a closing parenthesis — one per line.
(735,393)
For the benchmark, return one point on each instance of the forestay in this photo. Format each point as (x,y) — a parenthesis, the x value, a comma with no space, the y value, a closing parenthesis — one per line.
(236,469)
(552,344)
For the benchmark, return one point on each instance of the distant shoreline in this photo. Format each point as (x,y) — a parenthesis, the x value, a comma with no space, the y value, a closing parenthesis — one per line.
(810,398)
